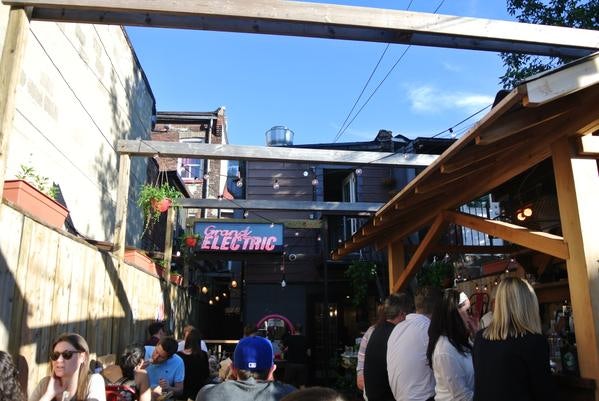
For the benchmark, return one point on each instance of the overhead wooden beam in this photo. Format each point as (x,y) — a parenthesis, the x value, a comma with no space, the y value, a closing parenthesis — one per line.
(588,145)
(270,153)
(325,21)
(345,208)
(539,241)
(421,253)
(287,223)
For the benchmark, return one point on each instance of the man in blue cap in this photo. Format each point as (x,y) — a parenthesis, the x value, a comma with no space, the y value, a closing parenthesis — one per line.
(253,367)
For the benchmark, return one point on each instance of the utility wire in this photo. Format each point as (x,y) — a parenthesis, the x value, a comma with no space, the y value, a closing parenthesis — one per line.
(450,129)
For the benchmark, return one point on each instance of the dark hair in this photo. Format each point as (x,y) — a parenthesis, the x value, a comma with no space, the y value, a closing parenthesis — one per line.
(256,374)
(10,390)
(426,299)
(314,394)
(155,327)
(192,342)
(396,304)
(298,327)
(249,330)
(169,345)
(130,358)
(446,321)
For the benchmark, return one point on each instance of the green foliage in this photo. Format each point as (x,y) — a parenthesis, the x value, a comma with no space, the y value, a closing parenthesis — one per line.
(39,182)
(435,274)
(149,193)
(570,13)
(360,273)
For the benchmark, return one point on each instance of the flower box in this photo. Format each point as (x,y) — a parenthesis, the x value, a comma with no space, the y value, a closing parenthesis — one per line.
(138,258)
(35,203)
(176,278)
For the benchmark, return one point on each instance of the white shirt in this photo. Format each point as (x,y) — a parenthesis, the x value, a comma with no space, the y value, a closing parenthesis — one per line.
(181,346)
(454,373)
(410,376)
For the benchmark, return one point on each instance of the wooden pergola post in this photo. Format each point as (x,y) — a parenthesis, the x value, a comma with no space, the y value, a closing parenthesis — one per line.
(577,182)
(10,67)
(396,261)
(122,199)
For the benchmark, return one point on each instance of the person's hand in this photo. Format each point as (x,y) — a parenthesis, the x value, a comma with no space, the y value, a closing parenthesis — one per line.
(55,389)
(163,383)
(360,381)
(156,392)
(144,364)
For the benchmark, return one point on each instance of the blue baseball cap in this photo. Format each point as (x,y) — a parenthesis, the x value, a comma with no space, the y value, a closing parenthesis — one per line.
(253,353)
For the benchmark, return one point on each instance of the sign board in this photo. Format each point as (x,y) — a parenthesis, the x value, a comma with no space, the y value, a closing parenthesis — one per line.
(239,237)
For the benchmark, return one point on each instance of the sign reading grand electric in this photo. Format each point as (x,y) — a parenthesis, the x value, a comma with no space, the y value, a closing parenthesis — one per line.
(240,237)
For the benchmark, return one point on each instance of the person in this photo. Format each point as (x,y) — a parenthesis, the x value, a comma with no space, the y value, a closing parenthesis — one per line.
(250,330)
(410,376)
(314,394)
(362,352)
(296,355)
(166,370)
(128,372)
(253,367)
(512,350)
(197,371)
(186,330)
(376,382)
(156,330)
(449,352)
(69,373)
(10,390)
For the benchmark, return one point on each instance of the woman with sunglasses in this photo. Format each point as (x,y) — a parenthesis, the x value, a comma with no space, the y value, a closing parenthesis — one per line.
(70,379)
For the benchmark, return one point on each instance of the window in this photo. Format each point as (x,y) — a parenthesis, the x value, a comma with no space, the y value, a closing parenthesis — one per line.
(191,169)
(350,224)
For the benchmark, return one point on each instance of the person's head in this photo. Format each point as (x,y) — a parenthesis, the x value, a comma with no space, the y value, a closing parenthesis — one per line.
(254,357)
(165,349)
(131,356)
(426,299)
(397,306)
(10,390)
(447,320)
(192,341)
(314,394)
(69,359)
(249,330)
(516,310)
(157,329)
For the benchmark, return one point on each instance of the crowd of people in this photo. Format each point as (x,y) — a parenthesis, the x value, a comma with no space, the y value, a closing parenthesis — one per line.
(423,348)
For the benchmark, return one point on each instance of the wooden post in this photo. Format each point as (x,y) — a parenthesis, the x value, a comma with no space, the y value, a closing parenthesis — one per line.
(10,67)
(122,198)
(168,243)
(577,184)
(396,259)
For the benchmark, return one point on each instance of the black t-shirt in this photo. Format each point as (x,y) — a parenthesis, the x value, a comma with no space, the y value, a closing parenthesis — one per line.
(296,348)
(376,380)
(515,369)
(197,373)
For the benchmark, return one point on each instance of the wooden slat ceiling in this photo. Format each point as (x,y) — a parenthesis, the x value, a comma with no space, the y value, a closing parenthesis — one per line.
(514,136)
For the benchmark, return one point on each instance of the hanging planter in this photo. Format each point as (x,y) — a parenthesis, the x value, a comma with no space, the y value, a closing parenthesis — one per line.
(189,240)
(161,205)
(154,200)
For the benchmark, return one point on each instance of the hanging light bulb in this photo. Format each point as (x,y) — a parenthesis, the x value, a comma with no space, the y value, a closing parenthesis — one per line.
(283,283)
(233,283)
(314,181)
(305,173)
(297,233)
(318,238)
(520,216)
(527,212)
(224,294)
(246,213)
(275,185)
(216,298)
(272,225)
(358,171)
(239,183)
(211,302)
(204,290)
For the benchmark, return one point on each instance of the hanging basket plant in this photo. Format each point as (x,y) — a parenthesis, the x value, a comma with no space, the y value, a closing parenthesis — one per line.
(189,240)
(359,274)
(439,273)
(156,199)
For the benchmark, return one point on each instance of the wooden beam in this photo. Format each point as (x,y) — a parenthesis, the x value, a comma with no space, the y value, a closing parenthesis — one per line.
(539,241)
(15,39)
(577,183)
(325,21)
(168,248)
(122,199)
(271,153)
(345,208)
(287,223)
(588,145)
(396,262)
(421,253)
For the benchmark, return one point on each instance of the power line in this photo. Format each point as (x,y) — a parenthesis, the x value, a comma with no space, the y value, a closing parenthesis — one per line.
(450,129)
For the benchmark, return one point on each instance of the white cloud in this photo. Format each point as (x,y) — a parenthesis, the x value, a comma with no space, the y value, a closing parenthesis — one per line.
(428,99)
(451,67)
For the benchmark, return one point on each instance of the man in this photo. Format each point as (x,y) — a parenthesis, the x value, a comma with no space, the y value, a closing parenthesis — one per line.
(252,375)
(376,382)
(296,355)
(410,376)
(156,330)
(186,330)
(166,370)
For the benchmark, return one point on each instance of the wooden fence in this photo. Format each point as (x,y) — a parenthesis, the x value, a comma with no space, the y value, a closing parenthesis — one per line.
(52,282)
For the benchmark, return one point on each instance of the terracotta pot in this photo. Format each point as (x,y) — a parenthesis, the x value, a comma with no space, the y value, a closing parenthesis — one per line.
(176,278)
(138,258)
(34,202)
(161,205)
(191,241)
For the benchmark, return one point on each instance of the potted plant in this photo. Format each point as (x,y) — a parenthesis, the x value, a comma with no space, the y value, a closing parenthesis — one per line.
(154,200)
(190,240)
(34,194)
(176,277)
(360,273)
(438,273)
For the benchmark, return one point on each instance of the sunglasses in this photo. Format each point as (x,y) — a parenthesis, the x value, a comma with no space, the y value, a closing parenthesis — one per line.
(66,355)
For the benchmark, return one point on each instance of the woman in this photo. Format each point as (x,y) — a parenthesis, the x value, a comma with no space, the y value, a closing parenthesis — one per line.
(196,365)
(511,356)
(10,390)
(128,372)
(449,350)
(69,378)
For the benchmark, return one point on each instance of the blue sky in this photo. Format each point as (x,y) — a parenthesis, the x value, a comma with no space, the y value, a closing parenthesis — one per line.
(310,85)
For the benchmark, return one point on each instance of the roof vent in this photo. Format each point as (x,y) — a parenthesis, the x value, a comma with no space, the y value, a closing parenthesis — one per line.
(279,135)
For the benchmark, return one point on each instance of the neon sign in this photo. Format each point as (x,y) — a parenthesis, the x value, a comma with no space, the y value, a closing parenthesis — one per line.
(239,237)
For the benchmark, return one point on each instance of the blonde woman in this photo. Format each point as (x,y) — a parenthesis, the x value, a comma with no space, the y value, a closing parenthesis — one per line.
(69,378)
(511,356)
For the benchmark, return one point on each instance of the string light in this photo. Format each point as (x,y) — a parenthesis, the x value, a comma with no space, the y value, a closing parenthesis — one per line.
(275,184)
(211,302)
(239,183)
(305,173)
(233,283)
(314,181)
(216,298)
(204,290)
(246,213)
(358,171)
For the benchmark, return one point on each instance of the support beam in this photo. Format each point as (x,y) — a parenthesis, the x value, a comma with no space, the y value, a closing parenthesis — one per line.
(421,253)
(122,199)
(588,145)
(539,241)
(270,153)
(168,247)
(396,261)
(345,208)
(294,18)
(577,183)
(10,67)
